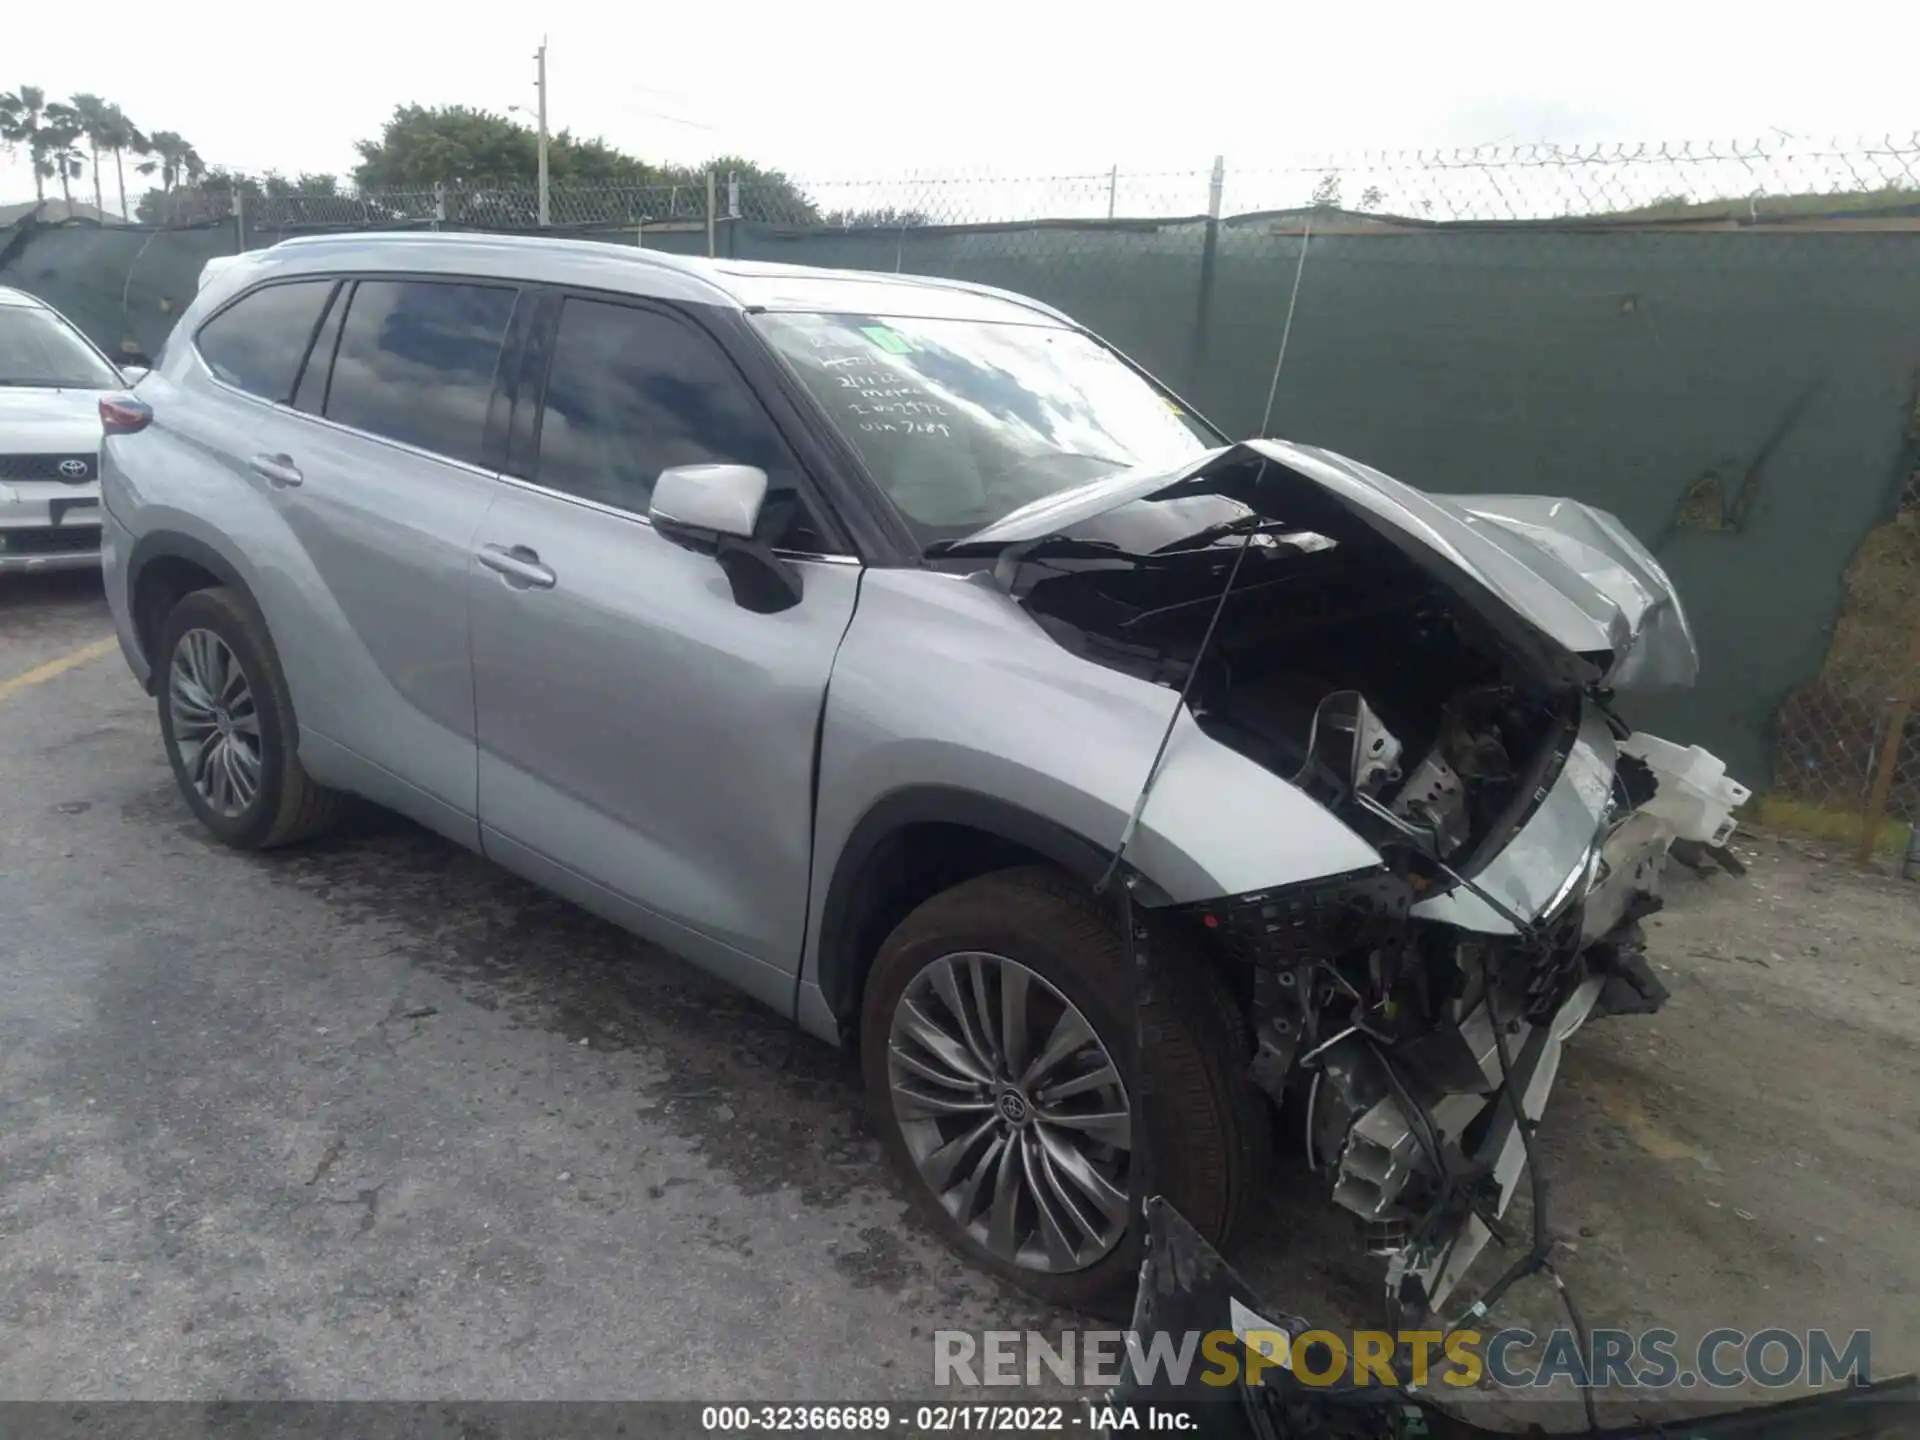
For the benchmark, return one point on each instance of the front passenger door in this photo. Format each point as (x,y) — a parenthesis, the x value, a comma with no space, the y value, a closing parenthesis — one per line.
(646,744)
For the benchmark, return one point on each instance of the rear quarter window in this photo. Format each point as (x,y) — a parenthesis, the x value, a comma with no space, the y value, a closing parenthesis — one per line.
(257,343)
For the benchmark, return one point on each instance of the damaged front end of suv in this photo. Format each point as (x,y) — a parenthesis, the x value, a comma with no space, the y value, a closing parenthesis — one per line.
(1439,673)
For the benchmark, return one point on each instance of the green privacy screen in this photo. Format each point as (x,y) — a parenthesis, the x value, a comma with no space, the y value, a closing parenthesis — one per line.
(1743,399)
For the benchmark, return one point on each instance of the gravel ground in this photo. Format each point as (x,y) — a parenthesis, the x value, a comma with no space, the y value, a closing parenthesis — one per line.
(374,1119)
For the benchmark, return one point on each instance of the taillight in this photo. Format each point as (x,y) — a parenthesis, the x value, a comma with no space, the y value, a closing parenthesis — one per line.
(124,414)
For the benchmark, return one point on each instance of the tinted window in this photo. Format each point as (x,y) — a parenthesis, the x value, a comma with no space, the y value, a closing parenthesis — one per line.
(310,394)
(257,343)
(632,392)
(416,362)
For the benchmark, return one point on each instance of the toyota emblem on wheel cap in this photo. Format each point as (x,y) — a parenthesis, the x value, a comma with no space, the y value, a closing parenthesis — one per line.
(73,469)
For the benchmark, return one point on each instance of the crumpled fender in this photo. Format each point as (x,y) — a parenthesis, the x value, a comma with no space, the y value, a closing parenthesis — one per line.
(1660,651)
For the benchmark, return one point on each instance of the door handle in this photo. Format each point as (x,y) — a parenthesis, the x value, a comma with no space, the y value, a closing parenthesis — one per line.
(520,565)
(276,469)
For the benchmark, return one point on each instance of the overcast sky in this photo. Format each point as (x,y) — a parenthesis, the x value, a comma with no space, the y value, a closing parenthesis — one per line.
(1020,86)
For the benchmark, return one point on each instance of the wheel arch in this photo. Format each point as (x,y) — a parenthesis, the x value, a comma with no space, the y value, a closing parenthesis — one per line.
(165,566)
(909,846)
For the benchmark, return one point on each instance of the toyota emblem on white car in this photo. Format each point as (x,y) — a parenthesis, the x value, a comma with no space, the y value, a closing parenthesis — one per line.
(73,469)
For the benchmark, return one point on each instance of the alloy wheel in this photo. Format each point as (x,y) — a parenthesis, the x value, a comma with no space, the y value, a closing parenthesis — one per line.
(216,724)
(1013,1110)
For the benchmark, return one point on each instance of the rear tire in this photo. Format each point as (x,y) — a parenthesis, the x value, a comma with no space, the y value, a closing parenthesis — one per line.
(1208,1128)
(227,723)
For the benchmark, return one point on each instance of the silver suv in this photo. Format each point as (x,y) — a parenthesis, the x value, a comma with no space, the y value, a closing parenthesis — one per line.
(900,652)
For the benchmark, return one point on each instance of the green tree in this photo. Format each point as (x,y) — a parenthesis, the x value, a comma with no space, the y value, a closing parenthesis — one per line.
(120,137)
(211,195)
(883,217)
(594,162)
(59,140)
(453,145)
(765,194)
(182,197)
(23,114)
(277,186)
(422,146)
(95,117)
(175,160)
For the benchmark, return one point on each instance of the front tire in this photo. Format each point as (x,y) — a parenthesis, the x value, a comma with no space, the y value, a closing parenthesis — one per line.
(996,1031)
(227,723)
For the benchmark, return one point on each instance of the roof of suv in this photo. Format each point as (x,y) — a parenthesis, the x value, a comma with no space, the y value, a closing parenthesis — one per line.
(21,299)
(742,284)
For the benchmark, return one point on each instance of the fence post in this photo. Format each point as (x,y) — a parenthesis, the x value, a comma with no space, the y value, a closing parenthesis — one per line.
(1209,256)
(1113,189)
(239,219)
(711,201)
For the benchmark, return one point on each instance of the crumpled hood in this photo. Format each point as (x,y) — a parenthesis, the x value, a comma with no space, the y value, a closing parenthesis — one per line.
(1569,571)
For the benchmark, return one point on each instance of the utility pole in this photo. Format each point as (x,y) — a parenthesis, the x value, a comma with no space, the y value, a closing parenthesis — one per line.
(540,83)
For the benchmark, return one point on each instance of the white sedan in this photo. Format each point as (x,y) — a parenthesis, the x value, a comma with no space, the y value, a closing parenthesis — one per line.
(51,381)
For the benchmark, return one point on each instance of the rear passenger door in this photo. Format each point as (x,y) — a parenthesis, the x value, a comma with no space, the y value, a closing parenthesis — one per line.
(646,745)
(383,475)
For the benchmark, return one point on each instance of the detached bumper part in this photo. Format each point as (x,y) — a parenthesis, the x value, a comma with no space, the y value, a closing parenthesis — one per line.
(1186,1288)
(1431,1221)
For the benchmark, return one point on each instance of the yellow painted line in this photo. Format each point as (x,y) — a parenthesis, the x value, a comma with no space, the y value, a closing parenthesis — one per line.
(58,666)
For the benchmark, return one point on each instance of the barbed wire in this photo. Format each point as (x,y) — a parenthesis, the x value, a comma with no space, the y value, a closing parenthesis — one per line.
(1777,178)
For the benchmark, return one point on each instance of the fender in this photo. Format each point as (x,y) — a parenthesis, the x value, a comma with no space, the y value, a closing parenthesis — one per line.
(849,891)
(172,545)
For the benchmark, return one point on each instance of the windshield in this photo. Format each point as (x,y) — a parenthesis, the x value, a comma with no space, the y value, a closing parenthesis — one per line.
(964,421)
(39,348)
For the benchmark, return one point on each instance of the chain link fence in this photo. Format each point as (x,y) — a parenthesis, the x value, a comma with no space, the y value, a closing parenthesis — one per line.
(1849,739)
(1719,343)
(1773,179)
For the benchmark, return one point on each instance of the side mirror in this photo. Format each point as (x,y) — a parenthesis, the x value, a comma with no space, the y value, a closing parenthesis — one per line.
(715,509)
(721,499)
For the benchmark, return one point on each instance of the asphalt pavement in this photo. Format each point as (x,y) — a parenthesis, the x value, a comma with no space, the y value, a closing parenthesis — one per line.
(370,1118)
(374,1118)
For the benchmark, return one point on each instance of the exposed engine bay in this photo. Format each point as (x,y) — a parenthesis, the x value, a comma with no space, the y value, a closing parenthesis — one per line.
(1408,1020)
(1459,721)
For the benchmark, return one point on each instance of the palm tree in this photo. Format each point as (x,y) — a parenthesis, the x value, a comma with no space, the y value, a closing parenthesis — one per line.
(22,112)
(121,136)
(59,146)
(96,120)
(178,163)
(176,160)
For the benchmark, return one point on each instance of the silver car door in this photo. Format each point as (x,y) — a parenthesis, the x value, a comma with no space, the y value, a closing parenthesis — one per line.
(647,744)
(376,470)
